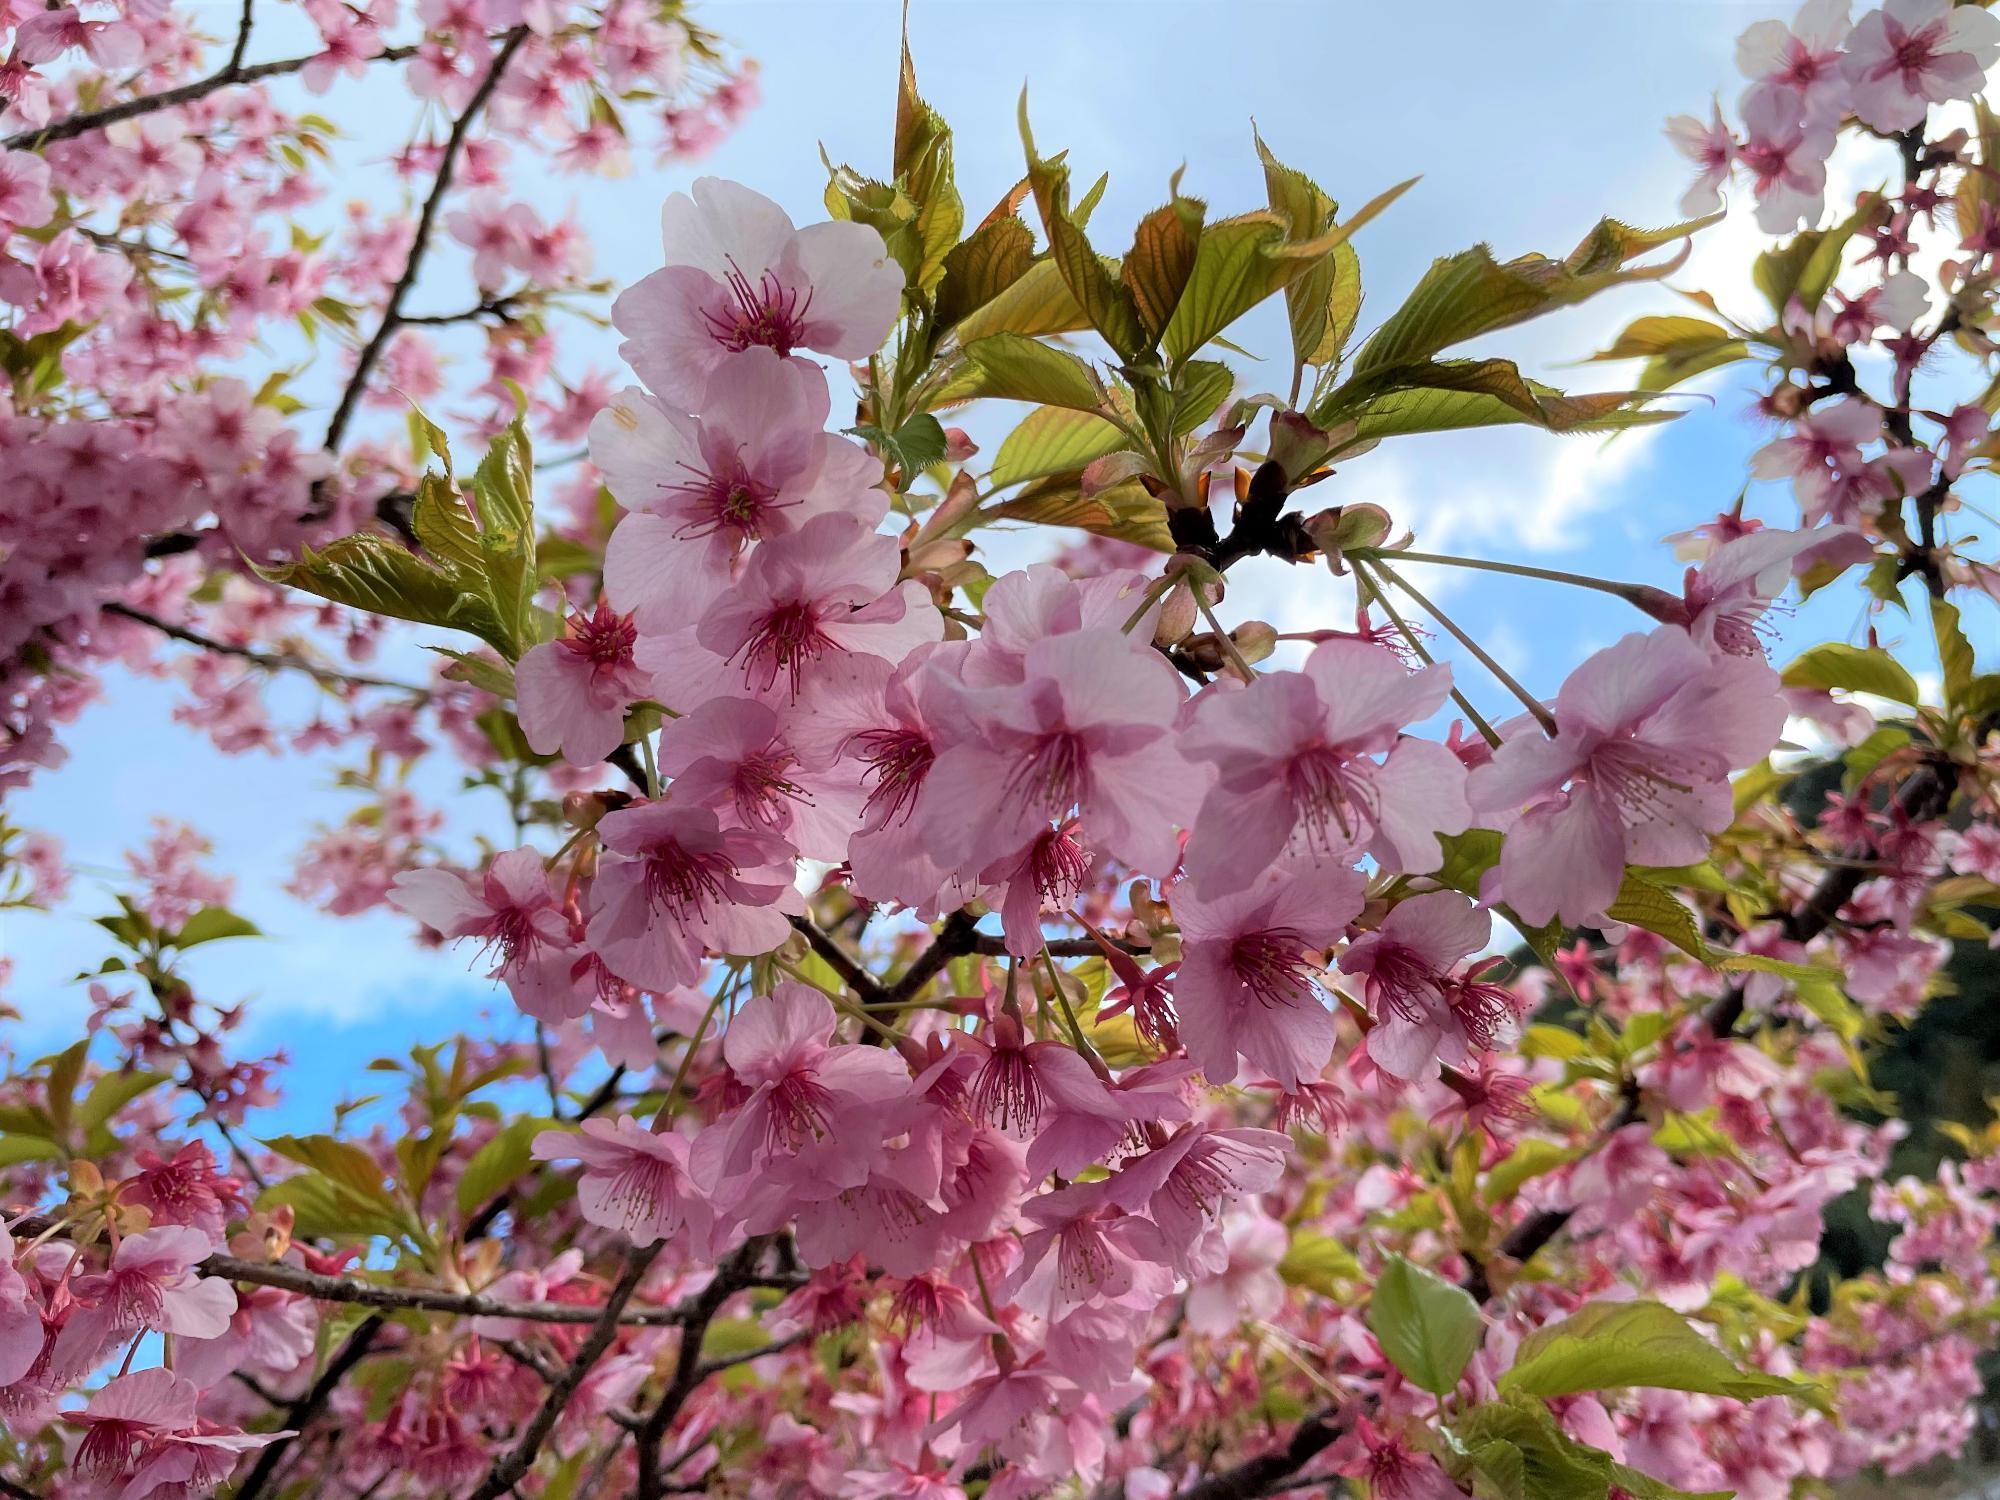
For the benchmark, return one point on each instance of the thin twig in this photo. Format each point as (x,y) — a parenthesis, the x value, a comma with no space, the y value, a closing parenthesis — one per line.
(303,1411)
(187,93)
(508,1471)
(392,312)
(270,661)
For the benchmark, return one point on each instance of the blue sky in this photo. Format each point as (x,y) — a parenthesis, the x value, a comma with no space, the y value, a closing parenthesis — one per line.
(1527,123)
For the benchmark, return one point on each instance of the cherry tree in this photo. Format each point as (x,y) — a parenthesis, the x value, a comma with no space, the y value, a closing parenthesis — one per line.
(1005,1032)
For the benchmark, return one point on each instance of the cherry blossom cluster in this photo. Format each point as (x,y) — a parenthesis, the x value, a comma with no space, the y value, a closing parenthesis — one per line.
(1022,1035)
(151,186)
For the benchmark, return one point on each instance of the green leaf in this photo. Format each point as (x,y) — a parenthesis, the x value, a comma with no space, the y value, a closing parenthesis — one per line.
(1232,272)
(1320,1263)
(59,1093)
(1531,1157)
(912,448)
(112,1093)
(1036,301)
(1011,367)
(1608,1345)
(496,1165)
(1428,1327)
(478,573)
(481,672)
(1954,650)
(1311,306)
(369,571)
(1854,669)
(994,258)
(1467,858)
(1472,293)
(352,1173)
(924,170)
(1125,511)
(1051,440)
(1644,904)
(1156,269)
(1106,301)
(1806,265)
(212,923)
(15,1149)
(1449,395)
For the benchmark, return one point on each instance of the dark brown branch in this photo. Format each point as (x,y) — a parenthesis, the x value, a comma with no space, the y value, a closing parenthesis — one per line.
(731,1277)
(837,958)
(303,1411)
(270,661)
(231,74)
(322,1288)
(955,938)
(507,1473)
(392,312)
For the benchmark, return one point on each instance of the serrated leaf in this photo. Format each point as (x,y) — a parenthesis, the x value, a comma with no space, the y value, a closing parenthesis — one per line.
(1611,1345)
(1428,1328)
(1162,257)
(1106,301)
(1125,510)
(1037,301)
(995,257)
(1011,367)
(1450,395)
(1954,650)
(1641,903)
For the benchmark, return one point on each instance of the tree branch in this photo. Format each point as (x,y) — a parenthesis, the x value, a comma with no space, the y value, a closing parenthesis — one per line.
(505,1474)
(232,73)
(392,312)
(322,1288)
(689,1371)
(270,661)
(304,1410)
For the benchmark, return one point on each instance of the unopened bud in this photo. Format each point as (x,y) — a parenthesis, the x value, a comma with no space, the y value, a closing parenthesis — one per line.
(1297,447)
(1178,613)
(585,810)
(958,445)
(1341,528)
(1254,640)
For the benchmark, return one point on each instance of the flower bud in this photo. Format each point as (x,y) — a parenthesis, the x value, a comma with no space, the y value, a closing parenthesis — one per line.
(1255,640)
(584,810)
(1341,527)
(1178,613)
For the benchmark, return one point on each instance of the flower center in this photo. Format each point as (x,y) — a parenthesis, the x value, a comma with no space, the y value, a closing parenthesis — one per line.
(1331,794)
(897,760)
(766,312)
(1272,965)
(684,883)
(1049,778)
(603,638)
(787,640)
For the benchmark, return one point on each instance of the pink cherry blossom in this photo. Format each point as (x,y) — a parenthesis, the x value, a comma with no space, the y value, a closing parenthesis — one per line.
(515,911)
(1422,1015)
(813,596)
(1295,763)
(1647,731)
(634,1180)
(1710,146)
(682,884)
(150,1284)
(1785,154)
(1247,982)
(1912,54)
(1246,1287)
(753,464)
(1086,732)
(739,276)
(574,691)
(1804,56)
